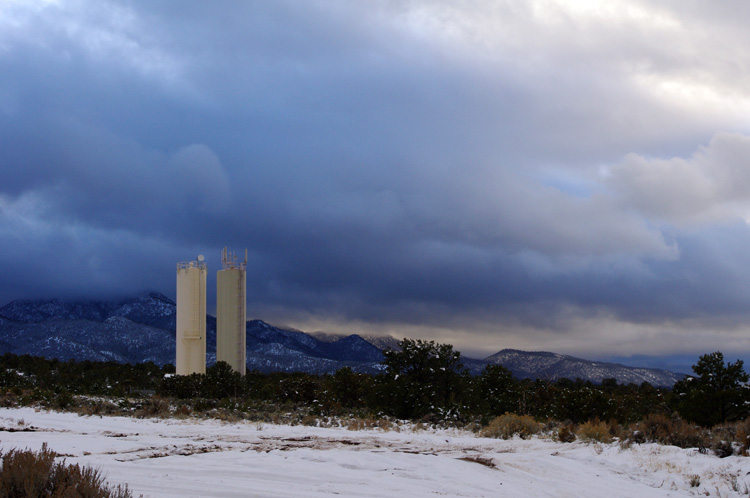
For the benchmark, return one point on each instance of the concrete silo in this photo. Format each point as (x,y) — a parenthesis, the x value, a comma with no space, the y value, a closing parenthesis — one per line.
(191,317)
(231,311)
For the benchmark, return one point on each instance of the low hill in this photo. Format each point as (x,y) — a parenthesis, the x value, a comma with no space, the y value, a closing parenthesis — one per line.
(553,366)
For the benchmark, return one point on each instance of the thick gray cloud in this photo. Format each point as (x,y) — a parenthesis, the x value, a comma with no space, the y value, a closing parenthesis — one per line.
(548,175)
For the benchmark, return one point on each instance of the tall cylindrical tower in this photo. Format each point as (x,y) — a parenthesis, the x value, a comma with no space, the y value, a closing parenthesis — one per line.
(231,311)
(191,317)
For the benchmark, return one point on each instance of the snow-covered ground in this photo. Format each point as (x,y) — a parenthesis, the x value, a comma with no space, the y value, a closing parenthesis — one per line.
(185,458)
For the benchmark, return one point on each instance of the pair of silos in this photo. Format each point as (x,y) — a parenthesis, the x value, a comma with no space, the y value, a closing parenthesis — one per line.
(230,314)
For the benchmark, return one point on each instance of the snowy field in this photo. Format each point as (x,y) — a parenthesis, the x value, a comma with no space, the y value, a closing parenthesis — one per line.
(186,458)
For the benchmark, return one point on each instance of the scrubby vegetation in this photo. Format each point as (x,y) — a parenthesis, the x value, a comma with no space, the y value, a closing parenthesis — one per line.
(508,425)
(423,382)
(595,430)
(26,473)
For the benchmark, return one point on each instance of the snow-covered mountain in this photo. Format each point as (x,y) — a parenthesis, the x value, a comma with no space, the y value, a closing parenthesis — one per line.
(127,331)
(271,348)
(381,342)
(142,329)
(553,366)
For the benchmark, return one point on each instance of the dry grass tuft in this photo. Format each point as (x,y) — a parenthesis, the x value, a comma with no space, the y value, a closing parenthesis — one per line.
(743,438)
(694,480)
(566,434)
(156,406)
(508,425)
(595,430)
(659,428)
(25,473)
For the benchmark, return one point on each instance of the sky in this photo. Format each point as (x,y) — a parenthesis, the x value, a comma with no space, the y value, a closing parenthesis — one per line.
(568,176)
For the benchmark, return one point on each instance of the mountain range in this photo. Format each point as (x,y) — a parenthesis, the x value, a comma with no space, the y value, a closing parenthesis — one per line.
(142,328)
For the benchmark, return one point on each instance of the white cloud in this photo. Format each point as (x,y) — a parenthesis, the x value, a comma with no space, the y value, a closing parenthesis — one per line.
(711,186)
(109,33)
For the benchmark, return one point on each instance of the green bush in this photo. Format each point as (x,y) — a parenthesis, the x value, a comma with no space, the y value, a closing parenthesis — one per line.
(508,425)
(25,473)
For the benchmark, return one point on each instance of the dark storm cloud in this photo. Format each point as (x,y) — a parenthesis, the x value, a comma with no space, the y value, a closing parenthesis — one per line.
(476,167)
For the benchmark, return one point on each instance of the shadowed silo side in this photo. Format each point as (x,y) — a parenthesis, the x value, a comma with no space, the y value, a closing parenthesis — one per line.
(231,311)
(191,317)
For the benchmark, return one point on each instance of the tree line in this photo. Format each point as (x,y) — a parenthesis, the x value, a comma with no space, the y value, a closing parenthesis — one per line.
(421,381)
